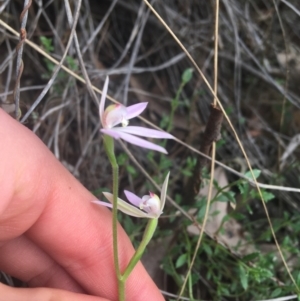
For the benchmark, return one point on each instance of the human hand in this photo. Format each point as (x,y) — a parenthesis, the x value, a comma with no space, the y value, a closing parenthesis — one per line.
(51,235)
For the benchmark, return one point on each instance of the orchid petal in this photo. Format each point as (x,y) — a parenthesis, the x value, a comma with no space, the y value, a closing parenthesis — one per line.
(100,203)
(140,142)
(102,101)
(163,193)
(111,132)
(135,110)
(133,199)
(144,132)
(127,208)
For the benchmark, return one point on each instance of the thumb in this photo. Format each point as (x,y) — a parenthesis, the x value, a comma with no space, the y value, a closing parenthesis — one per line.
(8,293)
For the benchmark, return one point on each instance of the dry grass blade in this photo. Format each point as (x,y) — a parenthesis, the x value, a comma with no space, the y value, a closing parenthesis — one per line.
(19,49)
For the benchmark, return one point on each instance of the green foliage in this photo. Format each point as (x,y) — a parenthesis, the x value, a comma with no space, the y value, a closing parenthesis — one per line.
(134,227)
(246,190)
(250,277)
(256,173)
(124,162)
(47,45)
(98,192)
(186,77)
(71,63)
(188,166)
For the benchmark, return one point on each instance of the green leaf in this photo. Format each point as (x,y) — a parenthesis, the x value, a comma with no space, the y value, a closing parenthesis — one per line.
(241,188)
(256,173)
(243,277)
(174,104)
(224,291)
(165,163)
(250,257)
(268,196)
(276,292)
(220,142)
(226,196)
(187,75)
(207,249)
(186,172)
(261,274)
(201,212)
(164,121)
(122,159)
(131,170)
(73,65)
(47,44)
(181,260)
(298,279)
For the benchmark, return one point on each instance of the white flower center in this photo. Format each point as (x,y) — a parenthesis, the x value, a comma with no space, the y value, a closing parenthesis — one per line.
(151,204)
(125,122)
(115,114)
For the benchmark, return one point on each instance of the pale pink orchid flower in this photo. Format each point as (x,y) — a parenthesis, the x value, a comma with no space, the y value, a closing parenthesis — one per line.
(119,114)
(149,206)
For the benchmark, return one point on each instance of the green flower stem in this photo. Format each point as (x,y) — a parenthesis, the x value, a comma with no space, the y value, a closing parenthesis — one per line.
(149,231)
(109,148)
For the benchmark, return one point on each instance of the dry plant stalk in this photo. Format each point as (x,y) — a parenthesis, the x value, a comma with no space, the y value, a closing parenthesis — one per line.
(210,135)
(19,50)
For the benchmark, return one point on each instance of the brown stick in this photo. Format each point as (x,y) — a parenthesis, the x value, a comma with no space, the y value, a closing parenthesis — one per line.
(210,135)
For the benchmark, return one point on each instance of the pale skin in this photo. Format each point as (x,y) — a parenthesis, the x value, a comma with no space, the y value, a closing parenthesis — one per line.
(51,235)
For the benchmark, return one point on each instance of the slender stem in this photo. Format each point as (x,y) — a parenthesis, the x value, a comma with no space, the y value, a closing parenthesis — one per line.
(109,148)
(149,231)
(121,285)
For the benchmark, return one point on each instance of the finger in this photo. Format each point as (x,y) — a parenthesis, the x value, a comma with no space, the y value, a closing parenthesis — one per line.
(55,210)
(42,294)
(25,260)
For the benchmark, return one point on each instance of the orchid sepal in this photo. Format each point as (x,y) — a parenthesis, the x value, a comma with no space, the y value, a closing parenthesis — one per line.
(126,207)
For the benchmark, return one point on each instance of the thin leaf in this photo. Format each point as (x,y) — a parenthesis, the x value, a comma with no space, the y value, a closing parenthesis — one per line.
(163,194)
(243,277)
